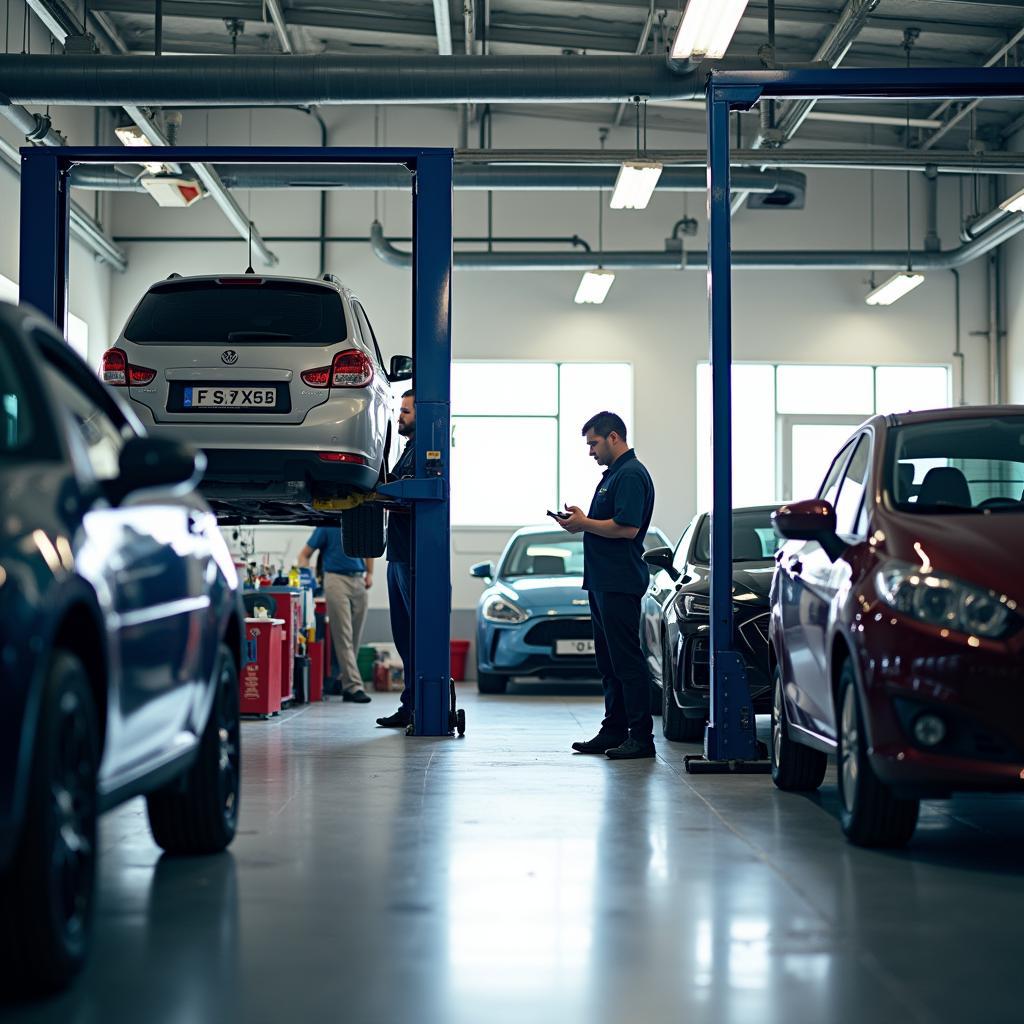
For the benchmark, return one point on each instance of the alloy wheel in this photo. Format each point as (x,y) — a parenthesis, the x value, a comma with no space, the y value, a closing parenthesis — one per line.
(849,750)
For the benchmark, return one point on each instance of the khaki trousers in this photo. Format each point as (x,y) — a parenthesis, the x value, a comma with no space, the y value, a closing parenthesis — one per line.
(346,604)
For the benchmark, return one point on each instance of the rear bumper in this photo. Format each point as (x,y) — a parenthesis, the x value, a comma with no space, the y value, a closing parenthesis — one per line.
(232,472)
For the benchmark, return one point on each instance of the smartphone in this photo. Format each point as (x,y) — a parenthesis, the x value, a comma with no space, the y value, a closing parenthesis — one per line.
(558,515)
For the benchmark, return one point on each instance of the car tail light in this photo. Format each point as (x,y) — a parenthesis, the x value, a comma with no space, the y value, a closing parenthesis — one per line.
(114,368)
(317,378)
(351,369)
(357,460)
(119,373)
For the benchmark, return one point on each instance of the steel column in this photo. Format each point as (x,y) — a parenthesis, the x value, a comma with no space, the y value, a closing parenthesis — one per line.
(432,357)
(45,234)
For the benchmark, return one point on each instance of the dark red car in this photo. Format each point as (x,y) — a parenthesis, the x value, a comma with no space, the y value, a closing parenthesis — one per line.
(897,619)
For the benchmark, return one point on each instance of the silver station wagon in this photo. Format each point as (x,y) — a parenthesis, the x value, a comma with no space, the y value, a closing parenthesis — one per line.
(280,381)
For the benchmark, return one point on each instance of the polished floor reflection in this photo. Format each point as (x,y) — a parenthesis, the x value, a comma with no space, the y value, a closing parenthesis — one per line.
(500,878)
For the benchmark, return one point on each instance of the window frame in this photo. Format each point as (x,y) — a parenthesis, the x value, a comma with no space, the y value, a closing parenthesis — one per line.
(858,532)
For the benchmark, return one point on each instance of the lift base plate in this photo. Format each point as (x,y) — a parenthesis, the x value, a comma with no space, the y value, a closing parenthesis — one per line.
(698,764)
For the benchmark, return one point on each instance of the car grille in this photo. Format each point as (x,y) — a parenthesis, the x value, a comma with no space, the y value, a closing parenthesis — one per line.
(545,633)
(698,663)
(755,634)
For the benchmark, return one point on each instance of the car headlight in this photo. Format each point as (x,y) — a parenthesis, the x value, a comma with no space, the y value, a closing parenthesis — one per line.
(697,606)
(944,601)
(500,609)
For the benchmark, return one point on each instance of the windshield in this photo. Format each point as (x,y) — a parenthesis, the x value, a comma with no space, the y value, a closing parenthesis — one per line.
(554,554)
(958,466)
(753,537)
(238,311)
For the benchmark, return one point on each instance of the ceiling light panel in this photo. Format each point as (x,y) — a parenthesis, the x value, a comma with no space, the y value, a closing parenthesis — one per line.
(707,28)
(895,288)
(594,287)
(635,184)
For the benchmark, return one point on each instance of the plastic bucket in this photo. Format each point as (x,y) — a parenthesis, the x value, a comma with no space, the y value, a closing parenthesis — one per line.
(459,650)
(364,660)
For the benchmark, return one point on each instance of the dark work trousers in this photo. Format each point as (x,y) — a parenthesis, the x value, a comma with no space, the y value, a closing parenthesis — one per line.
(400,601)
(624,674)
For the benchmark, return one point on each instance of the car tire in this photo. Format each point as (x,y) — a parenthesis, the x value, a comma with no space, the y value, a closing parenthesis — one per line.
(47,891)
(363,528)
(198,813)
(491,682)
(795,768)
(675,725)
(871,815)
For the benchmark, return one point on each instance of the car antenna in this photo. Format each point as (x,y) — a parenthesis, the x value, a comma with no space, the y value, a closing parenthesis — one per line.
(249,269)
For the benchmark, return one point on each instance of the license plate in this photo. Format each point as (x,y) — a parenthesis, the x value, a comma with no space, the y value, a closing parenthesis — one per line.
(230,398)
(574,647)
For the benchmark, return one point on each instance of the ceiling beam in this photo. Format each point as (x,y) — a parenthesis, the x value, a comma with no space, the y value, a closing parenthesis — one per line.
(280,25)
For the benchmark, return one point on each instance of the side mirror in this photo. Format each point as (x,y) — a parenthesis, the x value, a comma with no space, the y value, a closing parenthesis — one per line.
(482,570)
(400,369)
(814,519)
(660,558)
(150,462)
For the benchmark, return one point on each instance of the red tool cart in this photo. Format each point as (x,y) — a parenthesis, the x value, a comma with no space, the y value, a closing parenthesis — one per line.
(259,686)
(288,606)
(315,650)
(323,631)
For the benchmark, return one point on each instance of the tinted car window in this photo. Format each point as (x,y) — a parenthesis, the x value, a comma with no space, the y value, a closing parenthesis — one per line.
(16,420)
(851,492)
(366,330)
(99,434)
(682,552)
(753,537)
(553,554)
(958,465)
(831,484)
(238,311)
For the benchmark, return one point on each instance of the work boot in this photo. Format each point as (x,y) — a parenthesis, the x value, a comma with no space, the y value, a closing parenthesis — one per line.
(356,696)
(600,744)
(631,750)
(399,720)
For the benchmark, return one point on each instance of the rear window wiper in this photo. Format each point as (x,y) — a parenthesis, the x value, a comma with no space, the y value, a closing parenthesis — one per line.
(258,336)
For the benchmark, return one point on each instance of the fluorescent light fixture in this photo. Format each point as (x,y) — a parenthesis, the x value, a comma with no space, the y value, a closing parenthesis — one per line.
(131,135)
(707,28)
(895,288)
(1015,204)
(594,286)
(635,184)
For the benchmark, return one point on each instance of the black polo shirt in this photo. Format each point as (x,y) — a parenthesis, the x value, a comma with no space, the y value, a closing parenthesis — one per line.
(625,494)
(400,523)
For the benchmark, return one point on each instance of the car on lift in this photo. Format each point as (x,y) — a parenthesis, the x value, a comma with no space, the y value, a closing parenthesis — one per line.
(675,623)
(280,381)
(897,633)
(533,619)
(120,635)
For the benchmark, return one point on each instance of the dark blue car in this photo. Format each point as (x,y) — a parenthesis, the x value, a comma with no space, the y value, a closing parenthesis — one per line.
(120,636)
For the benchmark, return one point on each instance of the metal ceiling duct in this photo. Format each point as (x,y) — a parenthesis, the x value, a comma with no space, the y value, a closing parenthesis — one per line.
(697,259)
(302,79)
(472,177)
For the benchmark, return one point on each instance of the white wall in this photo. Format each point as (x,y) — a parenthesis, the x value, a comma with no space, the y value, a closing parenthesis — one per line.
(656,320)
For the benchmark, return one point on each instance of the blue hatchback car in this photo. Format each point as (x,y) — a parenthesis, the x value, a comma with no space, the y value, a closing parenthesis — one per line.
(534,617)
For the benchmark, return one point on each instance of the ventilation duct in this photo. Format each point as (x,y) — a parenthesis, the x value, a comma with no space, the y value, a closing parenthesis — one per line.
(304,79)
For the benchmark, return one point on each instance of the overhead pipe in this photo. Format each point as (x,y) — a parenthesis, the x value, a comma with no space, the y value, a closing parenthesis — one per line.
(35,127)
(839,259)
(465,178)
(326,79)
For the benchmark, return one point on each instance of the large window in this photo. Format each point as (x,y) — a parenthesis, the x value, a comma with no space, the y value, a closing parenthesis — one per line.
(790,420)
(516,443)
(78,329)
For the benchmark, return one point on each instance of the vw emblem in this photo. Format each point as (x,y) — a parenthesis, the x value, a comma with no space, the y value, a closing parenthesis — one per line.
(230,357)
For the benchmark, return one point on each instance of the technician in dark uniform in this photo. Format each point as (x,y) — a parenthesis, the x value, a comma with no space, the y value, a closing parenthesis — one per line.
(399,554)
(615,574)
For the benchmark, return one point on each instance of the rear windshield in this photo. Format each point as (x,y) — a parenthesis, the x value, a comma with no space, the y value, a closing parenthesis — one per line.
(247,311)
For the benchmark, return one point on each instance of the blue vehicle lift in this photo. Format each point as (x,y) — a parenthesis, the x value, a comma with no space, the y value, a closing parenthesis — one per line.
(730,739)
(44,284)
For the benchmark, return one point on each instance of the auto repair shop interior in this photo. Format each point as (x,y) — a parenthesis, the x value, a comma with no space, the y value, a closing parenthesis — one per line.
(782,239)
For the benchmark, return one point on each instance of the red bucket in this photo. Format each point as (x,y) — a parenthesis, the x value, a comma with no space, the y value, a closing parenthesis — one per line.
(459,650)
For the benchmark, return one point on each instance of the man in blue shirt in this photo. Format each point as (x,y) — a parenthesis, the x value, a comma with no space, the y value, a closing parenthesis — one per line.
(399,551)
(615,574)
(346,582)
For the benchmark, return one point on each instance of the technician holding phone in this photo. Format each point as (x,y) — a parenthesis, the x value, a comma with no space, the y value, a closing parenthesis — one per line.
(616,576)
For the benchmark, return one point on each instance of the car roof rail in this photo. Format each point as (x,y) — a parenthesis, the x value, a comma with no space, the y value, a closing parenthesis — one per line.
(331,279)
(172,275)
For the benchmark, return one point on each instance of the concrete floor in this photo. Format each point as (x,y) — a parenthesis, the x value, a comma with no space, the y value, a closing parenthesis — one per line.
(500,878)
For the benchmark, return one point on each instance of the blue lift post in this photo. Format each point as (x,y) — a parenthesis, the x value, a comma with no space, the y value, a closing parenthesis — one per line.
(44,284)
(730,739)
